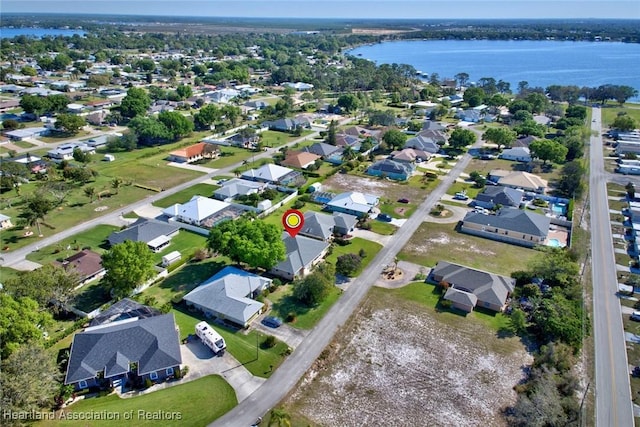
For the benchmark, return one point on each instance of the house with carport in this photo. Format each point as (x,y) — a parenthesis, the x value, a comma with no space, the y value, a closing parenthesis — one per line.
(302,254)
(353,203)
(156,234)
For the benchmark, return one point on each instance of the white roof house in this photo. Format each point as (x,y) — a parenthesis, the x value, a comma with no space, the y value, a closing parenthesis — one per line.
(196,210)
(267,173)
(354,203)
(228,295)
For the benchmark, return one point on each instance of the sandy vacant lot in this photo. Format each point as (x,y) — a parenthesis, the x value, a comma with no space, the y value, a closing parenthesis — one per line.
(377,187)
(399,363)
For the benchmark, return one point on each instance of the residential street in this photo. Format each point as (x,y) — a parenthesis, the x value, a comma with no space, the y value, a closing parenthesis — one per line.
(11,258)
(294,367)
(613,393)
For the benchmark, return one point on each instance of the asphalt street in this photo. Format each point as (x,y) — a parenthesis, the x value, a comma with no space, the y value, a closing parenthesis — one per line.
(612,390)
(294,367)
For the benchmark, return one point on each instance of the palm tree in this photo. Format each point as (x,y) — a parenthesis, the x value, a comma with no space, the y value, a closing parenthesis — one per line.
(116,183)
(348,153)
(90,192)
(279,418)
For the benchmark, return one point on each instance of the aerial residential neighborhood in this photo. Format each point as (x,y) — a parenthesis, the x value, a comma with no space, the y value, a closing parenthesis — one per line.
(444,221)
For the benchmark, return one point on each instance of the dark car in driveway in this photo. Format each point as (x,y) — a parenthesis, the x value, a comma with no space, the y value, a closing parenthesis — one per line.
(384,217)
(272,322)
(403,200)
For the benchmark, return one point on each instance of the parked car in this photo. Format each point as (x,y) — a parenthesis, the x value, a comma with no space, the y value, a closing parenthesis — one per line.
(384,217)
(636,372)
(461,196)
(635,316)
(272,322)
(403,200)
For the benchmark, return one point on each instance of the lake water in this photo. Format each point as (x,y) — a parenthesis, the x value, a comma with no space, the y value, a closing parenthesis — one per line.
(9,33)
(541,63)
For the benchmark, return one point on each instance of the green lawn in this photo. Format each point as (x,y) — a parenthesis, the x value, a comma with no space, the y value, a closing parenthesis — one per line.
(383,228)
(434,242)
(186,195)
(610,113)
(357,243)
(94,238)
(185,279)
(240,344)
(229,156)
(185,242)
(23,144)
(145,166)
(271,138)
(283,303)
(471,190)
(7,273)
(91,296)
(429,296)
(195,403)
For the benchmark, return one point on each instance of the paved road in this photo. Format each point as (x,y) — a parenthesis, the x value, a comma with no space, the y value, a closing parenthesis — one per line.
(613,393)
(10,258)
(295,366)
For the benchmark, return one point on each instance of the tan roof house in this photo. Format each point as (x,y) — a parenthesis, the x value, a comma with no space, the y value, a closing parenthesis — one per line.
(524,180)
(300,159)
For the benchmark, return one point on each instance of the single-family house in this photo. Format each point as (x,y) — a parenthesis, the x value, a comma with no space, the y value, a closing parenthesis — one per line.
(323,227)
(65,151)
(86,263)
(299,159)
(228,295)
(498,195)
(132,349)
(124,309)
(510,225)
(400,171)
(345,140)
(299,86)
(353,203)
(238,187)
(273,174)
(323,150)
(362,132)
(517,154)
(257,105)
(197,210)
(22,134)
(423,143)
(156,234)
(468,288)
(519,179)
(470,115)
(222,96)
(411,155)
(524,141)
(194,152)
(286,125)
(434,126)
(302,253)
(32,162)
(5,222)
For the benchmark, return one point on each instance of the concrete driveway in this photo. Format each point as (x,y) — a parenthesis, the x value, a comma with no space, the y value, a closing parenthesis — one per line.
(370,235)
(458,215)
(149,211)
(285,333)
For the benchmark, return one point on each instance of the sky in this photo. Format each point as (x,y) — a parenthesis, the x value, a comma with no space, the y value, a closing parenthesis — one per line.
(425,9)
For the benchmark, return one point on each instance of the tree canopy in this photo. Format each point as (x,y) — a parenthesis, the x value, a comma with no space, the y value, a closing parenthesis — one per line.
(70,123)
(136,103)
(315,287)
(128,264)
(21,322)
(43,284)
(461,138)
(502,137)
(547,150)
(395,139)
(255,243)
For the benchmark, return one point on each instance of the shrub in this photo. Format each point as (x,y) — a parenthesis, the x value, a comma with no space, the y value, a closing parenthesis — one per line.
(445,303)
(342,242)
(348,264)
(148,383)
(364,225)
(269,342)
(291,317)
(298,204)
(362,253)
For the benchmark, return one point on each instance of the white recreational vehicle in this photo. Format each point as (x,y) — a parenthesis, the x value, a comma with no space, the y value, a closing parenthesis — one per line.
(210,338)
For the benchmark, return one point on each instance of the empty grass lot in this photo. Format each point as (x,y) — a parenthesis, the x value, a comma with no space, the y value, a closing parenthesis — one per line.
(283,304)
(186,195)
(240,344)
(434,242)
(610,112)
(198,402)
(94,238)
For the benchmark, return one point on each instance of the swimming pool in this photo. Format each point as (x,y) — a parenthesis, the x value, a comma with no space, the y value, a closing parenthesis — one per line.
(555,243)
(559,208)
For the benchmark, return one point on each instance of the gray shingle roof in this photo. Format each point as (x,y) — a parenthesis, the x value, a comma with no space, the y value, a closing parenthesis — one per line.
(512,219)
(152,343)
(461,297)
(124,309)
(143,230)
(227,292)
(487,287)
(423,143)
(391,167)
(317,225)
(301,251)
(322,149)
(504,196)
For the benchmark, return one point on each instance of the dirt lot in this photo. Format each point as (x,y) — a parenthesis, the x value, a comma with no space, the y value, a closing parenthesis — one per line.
(381,188)
(396,363)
